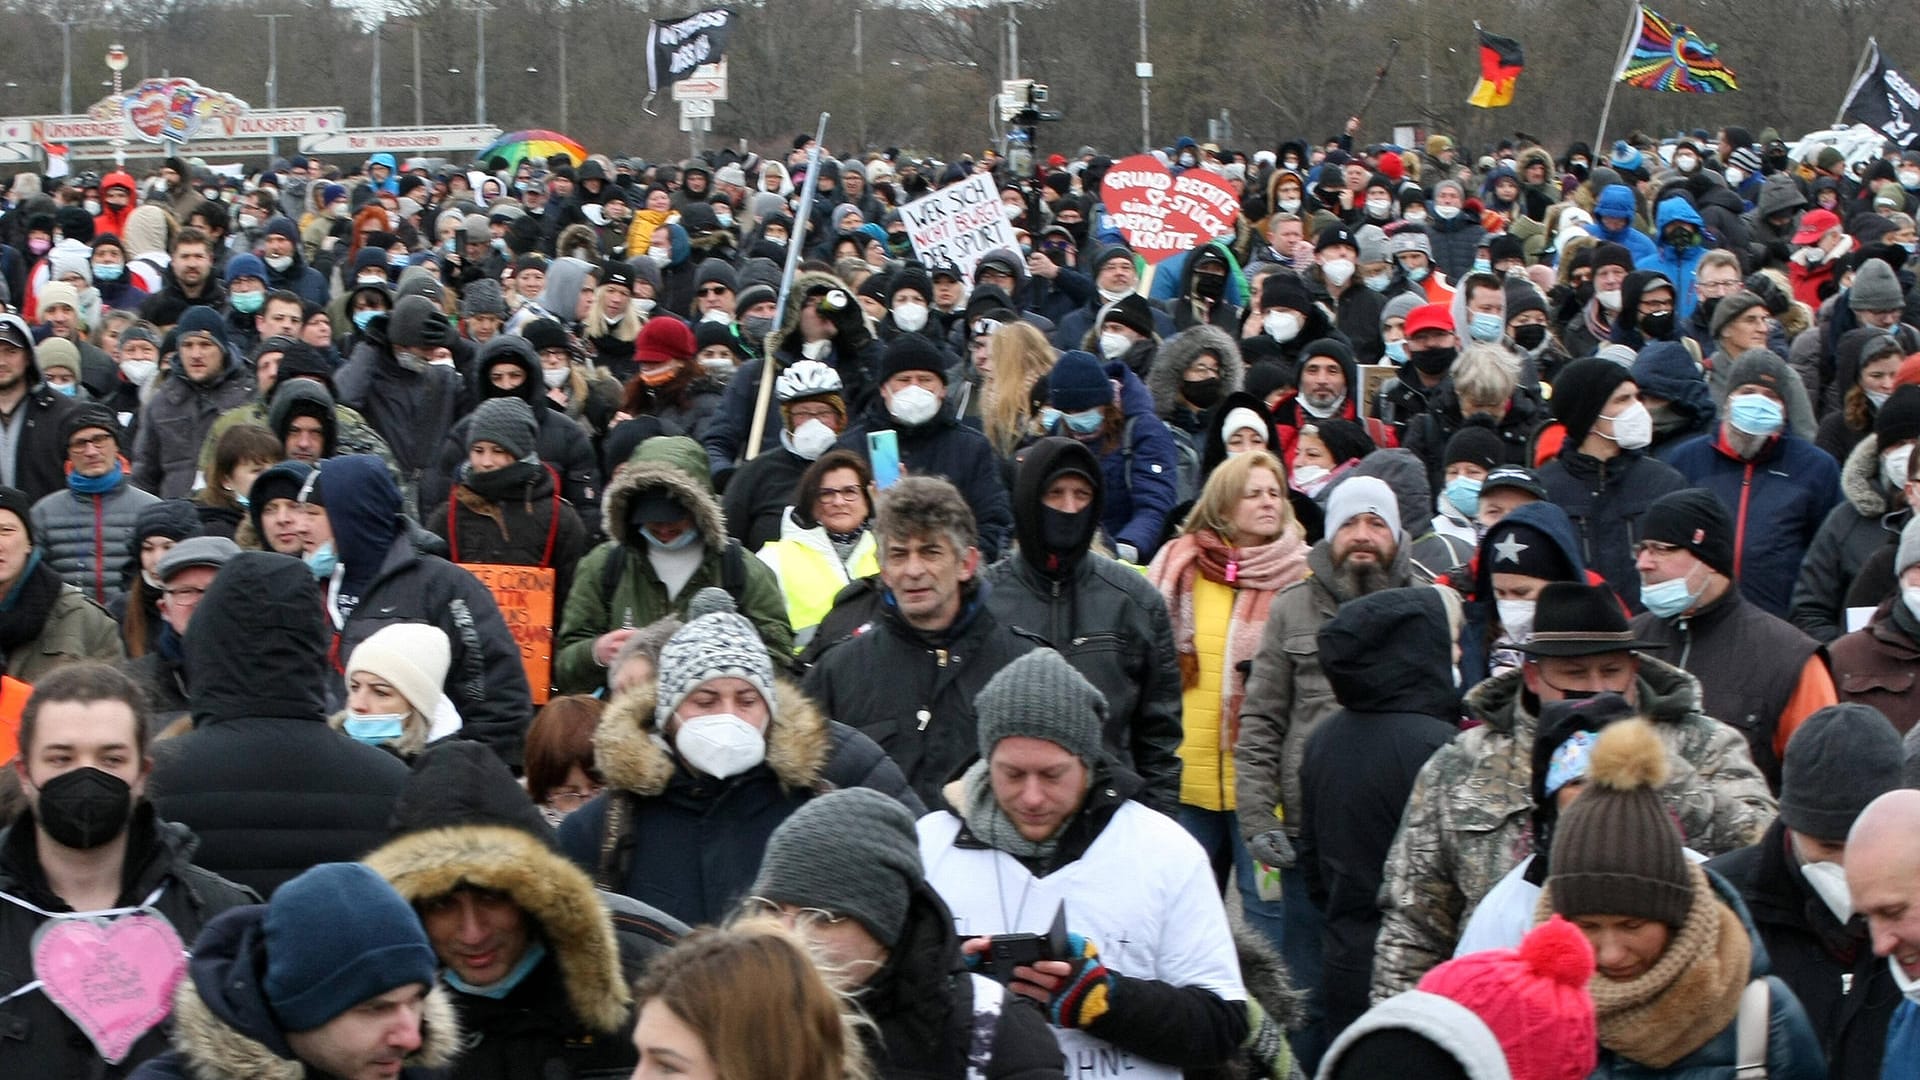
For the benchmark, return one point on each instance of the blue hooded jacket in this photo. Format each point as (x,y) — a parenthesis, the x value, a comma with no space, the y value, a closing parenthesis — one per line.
(392,182)
(1678,264)
(1481,614)
(1617,202)
(363,508)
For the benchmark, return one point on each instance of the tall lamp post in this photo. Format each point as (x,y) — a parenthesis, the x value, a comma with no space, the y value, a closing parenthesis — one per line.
(117,63)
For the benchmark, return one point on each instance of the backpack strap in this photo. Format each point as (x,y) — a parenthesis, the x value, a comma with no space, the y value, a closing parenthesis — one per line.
(611,871)
(610,572)
(1750,1031)
(988,996)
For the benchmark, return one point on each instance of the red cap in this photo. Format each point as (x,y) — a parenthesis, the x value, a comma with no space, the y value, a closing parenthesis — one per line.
(1814,225)
(1534,1000)
(1429,317)
(665,339)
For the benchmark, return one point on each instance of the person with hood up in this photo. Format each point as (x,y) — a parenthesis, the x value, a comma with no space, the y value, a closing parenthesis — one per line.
(1646,310)
(86,532)
(1529,548)
(1108,410)
(287,269)
(667,540)
(1193,371)
(407,395)
(1794,884)
(285,369)
(366,555)
(206,380)
(1098,613)
(1867,359)
(1675,947)
(119,196)
(1674,393)
(703,765)
(1682,241)
(537,961)
(1396,708)
(261,779)
(1613,216)
(854,856)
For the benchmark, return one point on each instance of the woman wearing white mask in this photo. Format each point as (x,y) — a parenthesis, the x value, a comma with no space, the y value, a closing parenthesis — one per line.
(826,541)
(393,690)
(703,766)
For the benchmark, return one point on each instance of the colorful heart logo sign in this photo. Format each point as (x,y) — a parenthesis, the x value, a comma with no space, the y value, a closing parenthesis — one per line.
(1162,214)
(114,980)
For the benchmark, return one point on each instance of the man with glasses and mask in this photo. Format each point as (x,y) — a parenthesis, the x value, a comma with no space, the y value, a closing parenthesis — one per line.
(1466,823)
(1716,278)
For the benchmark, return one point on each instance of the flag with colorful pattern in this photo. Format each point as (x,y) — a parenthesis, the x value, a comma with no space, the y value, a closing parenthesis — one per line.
(1669,57)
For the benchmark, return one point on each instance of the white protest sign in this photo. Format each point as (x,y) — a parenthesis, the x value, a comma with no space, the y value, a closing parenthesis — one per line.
(958,224)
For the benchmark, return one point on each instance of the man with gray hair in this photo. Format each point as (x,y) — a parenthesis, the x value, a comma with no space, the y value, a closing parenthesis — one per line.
(909,676)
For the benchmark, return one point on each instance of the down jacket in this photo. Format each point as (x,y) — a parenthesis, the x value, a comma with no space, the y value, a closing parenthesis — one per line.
(87,539)
(1865,520)
(1778,500)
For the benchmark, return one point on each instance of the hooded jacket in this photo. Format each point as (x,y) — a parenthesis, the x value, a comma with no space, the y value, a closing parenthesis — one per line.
(1780,500)
(1617,201)
(268,787)
(1102,616)
(1606,500)
(1175,356)
(1398,706)
(175,421)
(1476,640)
(109,220)
(1140,473)
(1677,265)
(692,845)
(675,466)
(1866,519)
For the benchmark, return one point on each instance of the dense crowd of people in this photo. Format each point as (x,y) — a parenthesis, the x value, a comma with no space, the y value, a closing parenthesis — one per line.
(594,618)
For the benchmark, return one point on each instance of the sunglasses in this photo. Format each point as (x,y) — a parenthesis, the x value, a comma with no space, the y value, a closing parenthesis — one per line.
(714,290)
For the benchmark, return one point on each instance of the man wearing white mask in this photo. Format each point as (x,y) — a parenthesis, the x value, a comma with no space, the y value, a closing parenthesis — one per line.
(1795,883)
(912,404)
(1335,282)
(813,413)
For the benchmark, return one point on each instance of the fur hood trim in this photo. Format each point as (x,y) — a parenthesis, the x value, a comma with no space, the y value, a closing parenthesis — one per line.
(656,471)
(214,1050)
(802,281)
(1178,352)
(632,756)
(1860,478)
(424,866)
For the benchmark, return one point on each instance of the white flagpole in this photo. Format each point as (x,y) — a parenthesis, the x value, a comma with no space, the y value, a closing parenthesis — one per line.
(796,239)
(1867,56)
(1613,81)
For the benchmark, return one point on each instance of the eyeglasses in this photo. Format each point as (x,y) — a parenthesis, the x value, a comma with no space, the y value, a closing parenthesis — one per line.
(714,290)
(1718,288)
(760,905)
(571,798)
(1656,549)
(844,494)
(89,442)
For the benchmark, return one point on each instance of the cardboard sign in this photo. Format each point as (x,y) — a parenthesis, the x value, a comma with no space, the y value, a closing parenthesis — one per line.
(1161,214)
(525,597)
(114,980)
(958,224)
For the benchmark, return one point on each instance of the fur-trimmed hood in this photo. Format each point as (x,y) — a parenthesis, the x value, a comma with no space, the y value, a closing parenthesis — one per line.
(633,756)
(1178,353)
(423,866)
(1860,478)
(670,465)
(802,281)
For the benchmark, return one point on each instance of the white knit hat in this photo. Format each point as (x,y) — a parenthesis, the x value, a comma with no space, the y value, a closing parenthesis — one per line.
(413,657)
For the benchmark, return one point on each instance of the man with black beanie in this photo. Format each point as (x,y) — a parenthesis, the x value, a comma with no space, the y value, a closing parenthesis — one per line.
(1757,672)
(1589,325)
(401,379)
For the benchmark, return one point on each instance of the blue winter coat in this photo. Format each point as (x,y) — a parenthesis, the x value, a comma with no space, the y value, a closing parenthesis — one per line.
(1778,502)
(1141,477)
(1678,264)
(1902,1061)
(1617,202)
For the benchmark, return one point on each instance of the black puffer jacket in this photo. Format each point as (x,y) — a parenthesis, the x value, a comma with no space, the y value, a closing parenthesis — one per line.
(531,525)
(1867,519)
(1102,616)
(945,447)
(412,410)
(758,495)
(1605,500)
(268,787)
(38,1039)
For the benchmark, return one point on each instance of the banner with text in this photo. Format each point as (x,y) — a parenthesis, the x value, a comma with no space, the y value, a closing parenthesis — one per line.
(1884,100)
(958,224)
(676,46)
(525,596)
(1162,214)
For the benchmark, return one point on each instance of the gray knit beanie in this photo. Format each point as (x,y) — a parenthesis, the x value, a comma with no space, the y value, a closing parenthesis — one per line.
(483,297)
(508,421)
(1839,760)
(416,324)
(1875,288)
(1730,309)
(1041,696)
(852,852)
(719,646)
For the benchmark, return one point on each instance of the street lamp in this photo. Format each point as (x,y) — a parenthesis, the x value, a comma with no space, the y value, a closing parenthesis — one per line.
(117,63)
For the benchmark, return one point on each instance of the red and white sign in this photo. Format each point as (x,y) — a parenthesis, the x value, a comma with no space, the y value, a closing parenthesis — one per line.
(1161,214)
(707,83)
(412,140)
(958,224)
(257,124)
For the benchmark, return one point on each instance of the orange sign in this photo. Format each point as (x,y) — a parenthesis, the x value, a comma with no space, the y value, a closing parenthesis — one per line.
(525,597)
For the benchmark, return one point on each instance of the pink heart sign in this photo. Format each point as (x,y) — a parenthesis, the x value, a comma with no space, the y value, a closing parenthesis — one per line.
(1162,214)
(114,980)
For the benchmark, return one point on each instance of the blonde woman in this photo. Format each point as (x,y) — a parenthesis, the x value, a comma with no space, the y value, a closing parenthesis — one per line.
(394,698)
(1018,358)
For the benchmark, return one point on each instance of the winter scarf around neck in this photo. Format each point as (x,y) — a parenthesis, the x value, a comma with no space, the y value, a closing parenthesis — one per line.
(990,825)
(1255,574)
(24,609)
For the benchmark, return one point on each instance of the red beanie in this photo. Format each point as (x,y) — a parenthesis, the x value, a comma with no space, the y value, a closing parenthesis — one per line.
(1908,373)
(1392,167)
(1534,999)
(664,338)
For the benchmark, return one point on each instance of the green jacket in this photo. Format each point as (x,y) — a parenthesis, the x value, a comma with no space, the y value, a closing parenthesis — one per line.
(76,629)
(353,435)
(676,466)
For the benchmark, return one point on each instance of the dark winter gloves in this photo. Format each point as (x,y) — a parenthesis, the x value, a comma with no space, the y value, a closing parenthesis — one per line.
(1273,848)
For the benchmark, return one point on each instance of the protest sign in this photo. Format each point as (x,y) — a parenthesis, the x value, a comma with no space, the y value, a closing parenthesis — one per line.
(525,597)
(958,224)
(1161,214)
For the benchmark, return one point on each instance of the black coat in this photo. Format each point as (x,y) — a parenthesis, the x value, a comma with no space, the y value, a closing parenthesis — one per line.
(1606,500)
(1848,993)
(947,448)
(412,410)
(36,1038)
(533,528)
(268,787)
(758,496)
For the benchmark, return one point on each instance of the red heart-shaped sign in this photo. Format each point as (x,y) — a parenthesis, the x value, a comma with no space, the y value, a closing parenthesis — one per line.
(1162,214)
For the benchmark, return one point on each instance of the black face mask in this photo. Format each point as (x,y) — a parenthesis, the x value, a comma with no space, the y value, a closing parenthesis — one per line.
(1209,286)
(1657,326)
(1530,336)
(84,808)
(1202,393)
(1076,229)
(1433,361)
(1706,310)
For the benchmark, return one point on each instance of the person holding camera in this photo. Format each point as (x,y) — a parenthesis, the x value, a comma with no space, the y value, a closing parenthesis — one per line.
(1148,983)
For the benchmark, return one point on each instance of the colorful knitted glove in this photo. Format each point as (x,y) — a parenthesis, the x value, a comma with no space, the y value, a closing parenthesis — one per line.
(1086,995)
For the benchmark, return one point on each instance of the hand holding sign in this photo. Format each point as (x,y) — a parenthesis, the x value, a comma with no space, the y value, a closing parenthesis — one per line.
(1161,214)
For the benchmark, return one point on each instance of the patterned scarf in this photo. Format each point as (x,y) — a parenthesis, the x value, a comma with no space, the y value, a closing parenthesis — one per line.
(1256,575)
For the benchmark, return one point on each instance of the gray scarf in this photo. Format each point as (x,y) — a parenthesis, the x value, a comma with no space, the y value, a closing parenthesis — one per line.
(991,826)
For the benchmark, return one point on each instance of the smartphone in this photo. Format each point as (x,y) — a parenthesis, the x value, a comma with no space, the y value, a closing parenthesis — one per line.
(883,454)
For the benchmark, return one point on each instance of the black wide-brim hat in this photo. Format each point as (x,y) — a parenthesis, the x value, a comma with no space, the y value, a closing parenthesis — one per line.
(1570,619)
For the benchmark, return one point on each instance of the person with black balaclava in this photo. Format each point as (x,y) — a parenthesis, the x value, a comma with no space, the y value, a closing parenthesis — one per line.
(89,841)
(1099,613)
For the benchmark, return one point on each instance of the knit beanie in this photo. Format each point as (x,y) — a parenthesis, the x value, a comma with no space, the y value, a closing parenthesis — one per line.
(1899,417)
(16,502)
(1534,999)
(1875,288)
(1523,296)
(1616,850)
(336,936)
(416,324)
(1839,759)
(174,519)
(1285,290)
(722,645)
(1607,253)
(1580,393)
(544,334)
(54,294)
(1401,306)
(281,481)
(1077,383)
(1909,551)
(57,352)
(1041,696)
(1759,367)
(1694,519)
(912,352)
(89,414)
(1266,377)
(482,297)
(507,421)
(1516,547)
(412,657)
(1477,444)
(852,852)
(1130,311)
(1363,495)
(1731,308)
(246,265)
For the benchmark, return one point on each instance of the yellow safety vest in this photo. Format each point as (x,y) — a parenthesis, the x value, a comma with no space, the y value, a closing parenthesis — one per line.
(811,578)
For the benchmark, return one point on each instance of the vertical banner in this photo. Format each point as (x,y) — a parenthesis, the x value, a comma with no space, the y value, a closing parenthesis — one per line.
(525,597)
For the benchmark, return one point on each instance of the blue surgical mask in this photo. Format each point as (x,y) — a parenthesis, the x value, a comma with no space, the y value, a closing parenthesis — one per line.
(685,539)
(1464,493)
(1418,273)
(397,261)
(69,389)
(361,319)
(1086,423)
(322,561)
(725,220)
(1486,327)
(536,952)
(1377,282)
(375,728)
(1397,351)
(1755,414)
(1671,597)
(1482,266)
(1049,417)
(108,272)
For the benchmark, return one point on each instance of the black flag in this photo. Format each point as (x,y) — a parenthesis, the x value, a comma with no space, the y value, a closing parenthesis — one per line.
(1885,100)
(676,46)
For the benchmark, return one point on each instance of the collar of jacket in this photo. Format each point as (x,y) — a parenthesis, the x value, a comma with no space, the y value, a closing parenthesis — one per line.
(798,743)
(1110,786)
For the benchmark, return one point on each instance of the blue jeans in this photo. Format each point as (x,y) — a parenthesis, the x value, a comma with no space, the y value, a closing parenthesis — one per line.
(1300,948)
(1218,832)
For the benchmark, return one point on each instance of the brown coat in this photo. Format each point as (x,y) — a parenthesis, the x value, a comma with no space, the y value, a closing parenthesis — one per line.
(1879,665)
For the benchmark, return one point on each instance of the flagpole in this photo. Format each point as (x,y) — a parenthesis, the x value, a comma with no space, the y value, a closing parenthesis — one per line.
(796,239)
(1613,81)
(1853,84)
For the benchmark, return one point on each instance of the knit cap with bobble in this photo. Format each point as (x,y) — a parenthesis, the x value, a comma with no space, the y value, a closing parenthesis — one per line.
(1534,999)
(1617,850)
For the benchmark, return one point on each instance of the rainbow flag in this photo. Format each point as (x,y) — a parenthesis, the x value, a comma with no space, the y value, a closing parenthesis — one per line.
(1670,57)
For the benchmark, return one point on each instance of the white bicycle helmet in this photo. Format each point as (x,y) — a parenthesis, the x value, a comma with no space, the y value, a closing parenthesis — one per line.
(805,379)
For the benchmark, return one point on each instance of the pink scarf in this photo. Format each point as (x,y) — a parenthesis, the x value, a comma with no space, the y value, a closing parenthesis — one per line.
(1256,575)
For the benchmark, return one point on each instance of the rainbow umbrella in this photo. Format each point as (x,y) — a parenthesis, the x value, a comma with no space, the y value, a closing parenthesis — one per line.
(537,144)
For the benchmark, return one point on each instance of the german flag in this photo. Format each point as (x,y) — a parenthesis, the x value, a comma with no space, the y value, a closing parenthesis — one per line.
(1500,67)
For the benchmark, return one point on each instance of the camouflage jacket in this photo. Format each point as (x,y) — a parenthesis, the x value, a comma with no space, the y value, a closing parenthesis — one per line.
(1466,823)
(1288,695)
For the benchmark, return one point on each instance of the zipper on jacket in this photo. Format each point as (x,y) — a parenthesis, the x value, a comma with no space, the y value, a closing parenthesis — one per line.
(1740,524)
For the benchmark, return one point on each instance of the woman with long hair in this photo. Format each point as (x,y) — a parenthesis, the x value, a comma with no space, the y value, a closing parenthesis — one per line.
(1018,358)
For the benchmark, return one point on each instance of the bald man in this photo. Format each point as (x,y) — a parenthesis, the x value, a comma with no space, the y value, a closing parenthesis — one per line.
(1883,875)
